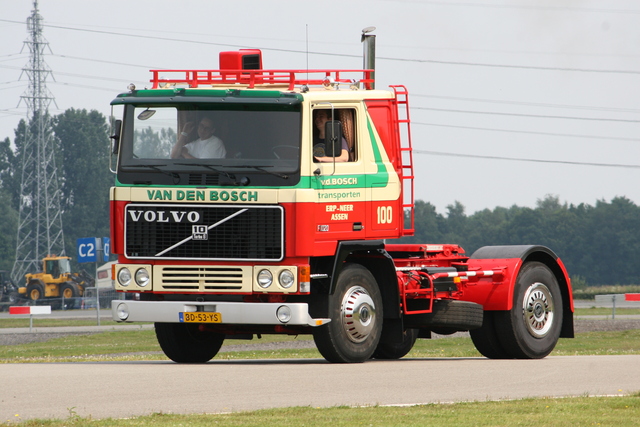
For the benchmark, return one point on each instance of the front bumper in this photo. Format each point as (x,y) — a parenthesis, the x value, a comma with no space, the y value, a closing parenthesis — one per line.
(233,313)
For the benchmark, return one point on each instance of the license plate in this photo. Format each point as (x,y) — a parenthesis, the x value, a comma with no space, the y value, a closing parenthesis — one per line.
(200,317)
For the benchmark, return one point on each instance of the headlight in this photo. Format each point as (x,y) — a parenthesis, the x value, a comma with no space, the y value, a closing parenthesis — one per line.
(265,278)
(122,311)
(142,277)
(124,277)
(283,313)
(286,279)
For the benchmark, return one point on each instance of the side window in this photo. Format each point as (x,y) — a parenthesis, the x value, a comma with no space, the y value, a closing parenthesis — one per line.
(154,133)
(346,119)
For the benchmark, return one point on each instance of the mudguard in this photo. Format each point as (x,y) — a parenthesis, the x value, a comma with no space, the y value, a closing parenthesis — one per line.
(496,293)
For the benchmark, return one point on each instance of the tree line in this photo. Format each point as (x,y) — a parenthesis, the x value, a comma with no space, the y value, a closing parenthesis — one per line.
(598,244)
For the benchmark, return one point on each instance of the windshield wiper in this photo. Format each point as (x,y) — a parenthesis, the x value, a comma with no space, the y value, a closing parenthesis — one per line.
(173,175)
(262,169)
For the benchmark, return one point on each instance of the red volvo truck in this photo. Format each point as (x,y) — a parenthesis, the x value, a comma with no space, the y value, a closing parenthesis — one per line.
(280,226)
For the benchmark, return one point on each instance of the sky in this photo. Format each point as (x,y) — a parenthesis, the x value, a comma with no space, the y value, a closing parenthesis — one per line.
(510,101)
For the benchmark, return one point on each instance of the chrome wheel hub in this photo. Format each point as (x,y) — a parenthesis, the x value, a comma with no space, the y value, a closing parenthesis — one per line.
(358,314)
(538,310)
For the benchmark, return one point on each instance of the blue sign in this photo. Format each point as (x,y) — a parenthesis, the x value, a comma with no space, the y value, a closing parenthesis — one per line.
(106,248)
(87,249)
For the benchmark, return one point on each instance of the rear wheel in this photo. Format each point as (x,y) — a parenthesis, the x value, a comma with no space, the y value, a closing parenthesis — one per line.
(486,338)
(397,350)
(69,292)
(531,329)
(355,310)
(186,343)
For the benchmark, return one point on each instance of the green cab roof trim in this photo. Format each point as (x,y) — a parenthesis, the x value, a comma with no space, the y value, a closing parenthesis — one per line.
(184,95)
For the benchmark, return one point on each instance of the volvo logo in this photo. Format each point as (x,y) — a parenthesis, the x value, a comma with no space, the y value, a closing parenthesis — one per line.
(164,216)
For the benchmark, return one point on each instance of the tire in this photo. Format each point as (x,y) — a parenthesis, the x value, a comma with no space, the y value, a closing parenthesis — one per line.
(35,291)
(186,343)
(13,297)
(68,293)
(486,340)
(355,310)
(531,329)
(396,351)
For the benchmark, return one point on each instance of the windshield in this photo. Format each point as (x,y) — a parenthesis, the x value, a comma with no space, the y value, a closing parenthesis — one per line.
(202,145)
(65,266)
(56,267)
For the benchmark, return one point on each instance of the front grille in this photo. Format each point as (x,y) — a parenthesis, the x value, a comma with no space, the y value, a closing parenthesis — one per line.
(203,278)
(197,232)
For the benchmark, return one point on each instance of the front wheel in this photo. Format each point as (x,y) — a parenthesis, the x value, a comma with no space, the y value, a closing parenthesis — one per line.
(186,343)
(35,291)
(355,310)
(531,329)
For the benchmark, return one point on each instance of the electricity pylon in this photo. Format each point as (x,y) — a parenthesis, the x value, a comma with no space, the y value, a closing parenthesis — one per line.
(40,215)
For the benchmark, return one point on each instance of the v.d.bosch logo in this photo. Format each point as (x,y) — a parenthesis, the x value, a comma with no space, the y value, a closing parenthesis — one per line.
(164,216)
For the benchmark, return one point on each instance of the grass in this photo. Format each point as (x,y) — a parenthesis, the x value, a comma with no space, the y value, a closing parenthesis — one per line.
(573,411)
(605,311)
(142,345)
(43,321)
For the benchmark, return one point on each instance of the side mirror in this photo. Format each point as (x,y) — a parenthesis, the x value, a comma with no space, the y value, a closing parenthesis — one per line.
(115,146)
(333,138)
(116,136)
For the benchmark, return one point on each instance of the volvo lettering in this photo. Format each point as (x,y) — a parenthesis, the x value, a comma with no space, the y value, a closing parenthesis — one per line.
(162,216)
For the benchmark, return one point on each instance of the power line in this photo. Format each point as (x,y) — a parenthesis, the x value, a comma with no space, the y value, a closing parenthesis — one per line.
(528,104)
(420,61)
(570,135)
(522,6)
(515,159)
(11,112)
(522,67)
(102,61)
(538,116)
(13,57)
(75,85)
(413,95)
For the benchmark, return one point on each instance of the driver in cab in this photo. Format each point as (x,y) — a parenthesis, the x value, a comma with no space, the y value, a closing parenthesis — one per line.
(206,146)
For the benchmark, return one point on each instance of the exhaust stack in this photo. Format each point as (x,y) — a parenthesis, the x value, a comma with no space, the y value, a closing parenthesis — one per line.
(369,52)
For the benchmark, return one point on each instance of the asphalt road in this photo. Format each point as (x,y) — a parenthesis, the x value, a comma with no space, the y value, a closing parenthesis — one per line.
(123,389)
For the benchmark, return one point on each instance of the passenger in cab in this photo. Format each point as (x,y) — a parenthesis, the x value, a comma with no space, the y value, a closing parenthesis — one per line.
(321,117)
